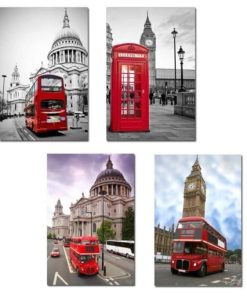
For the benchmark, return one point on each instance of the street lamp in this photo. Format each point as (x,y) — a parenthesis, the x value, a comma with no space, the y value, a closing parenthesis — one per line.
(174,33)
(4,76)
(88,212)
(181,53)
(103,193)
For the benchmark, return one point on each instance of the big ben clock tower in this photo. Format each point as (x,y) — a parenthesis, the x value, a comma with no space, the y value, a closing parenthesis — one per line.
(194,193)
(148,40)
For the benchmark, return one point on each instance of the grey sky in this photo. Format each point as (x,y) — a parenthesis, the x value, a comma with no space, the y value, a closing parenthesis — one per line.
(27,34)
(127,26)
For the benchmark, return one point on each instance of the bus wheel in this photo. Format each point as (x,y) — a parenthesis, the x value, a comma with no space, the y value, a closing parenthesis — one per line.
(174,271)
(223,267)
(78,272)
(202,271)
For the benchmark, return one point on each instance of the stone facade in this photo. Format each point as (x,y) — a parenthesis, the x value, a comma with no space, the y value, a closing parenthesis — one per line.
(148,39)
(109,41)
(194,193)
(16,95)
(60,222)
(163,240)
(109,200)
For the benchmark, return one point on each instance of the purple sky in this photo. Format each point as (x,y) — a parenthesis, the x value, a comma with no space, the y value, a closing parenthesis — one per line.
(68,175)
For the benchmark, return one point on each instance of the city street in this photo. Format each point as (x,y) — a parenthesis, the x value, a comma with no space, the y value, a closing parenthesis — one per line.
(14,129)
(164,126)
(120,271)
(231,277)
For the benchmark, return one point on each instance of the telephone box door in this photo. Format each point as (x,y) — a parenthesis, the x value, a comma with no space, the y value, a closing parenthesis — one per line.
(130,105)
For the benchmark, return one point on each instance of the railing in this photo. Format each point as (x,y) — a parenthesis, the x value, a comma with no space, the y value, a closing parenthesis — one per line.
(186,104)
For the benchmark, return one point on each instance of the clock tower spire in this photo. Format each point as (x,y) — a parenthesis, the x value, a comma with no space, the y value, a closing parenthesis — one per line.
(194,192)
(148,39)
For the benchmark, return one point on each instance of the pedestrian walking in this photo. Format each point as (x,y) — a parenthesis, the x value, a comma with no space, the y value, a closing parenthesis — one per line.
(151,97)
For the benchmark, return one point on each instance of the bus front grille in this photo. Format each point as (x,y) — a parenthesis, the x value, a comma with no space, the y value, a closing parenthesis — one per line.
(182,264)
(91,270)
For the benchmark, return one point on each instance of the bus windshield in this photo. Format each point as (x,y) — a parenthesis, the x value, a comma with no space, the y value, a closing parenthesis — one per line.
(86,258)
(51,84)
(52,104)
(192,224)
(194,248)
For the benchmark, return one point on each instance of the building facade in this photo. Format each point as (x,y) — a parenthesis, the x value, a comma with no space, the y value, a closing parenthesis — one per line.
(68,58)
(163,240)
(165,77)
(194,193)
(109,41)
(16,95)
(148,39)
(109,199)
(60,222)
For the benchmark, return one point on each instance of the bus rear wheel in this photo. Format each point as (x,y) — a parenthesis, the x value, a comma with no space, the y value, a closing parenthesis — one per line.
(223,268)
(202,271)
(78,272)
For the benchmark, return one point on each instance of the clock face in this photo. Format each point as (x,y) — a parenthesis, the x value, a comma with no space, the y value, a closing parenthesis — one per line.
(191,186)
(149,42)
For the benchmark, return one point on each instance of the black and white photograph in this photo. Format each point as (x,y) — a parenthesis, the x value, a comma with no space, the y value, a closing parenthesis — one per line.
(151,74)
(44,74)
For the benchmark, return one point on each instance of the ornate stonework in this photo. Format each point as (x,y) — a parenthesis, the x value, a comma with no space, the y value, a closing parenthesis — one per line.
(194,193)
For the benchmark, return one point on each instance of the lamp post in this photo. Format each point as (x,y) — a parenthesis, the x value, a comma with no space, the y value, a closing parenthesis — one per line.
(4,76)
(103,193)
(181,53)
(88,212)
(174,33)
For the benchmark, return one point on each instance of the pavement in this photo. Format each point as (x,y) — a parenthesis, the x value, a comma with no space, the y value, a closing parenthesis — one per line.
(8,131)
(112,271)
(164,126)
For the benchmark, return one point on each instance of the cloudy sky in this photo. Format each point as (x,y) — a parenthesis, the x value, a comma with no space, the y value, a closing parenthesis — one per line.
(127,27)
(222,175)
(68,175)
(27,35)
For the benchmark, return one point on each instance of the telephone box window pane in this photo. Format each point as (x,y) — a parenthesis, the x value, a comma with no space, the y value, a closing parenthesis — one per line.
(131,91)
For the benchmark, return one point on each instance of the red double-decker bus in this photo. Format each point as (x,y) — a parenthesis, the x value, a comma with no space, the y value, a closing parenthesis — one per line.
(84,252)
(45,108)
(197,247)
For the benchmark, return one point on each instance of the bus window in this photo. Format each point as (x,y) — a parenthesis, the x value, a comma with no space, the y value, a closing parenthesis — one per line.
(52,104)
(51,84)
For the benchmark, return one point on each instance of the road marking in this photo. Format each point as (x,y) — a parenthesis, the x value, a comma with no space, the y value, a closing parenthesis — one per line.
(67,259)
(203,285)
(226,278)
(116,283)
(57,275)
(216,282)
(111,283)
(32,137)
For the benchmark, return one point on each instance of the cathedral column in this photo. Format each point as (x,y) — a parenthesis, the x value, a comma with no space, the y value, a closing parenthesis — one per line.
(72,55)
(112,189)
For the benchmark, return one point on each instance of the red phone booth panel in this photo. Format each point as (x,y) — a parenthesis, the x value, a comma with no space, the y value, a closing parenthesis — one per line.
(129,88)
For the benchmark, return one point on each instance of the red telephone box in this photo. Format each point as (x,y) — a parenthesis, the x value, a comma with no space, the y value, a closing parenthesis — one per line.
(129,88)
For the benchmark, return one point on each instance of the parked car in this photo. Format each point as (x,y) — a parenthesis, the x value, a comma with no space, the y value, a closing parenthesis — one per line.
(55,252)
